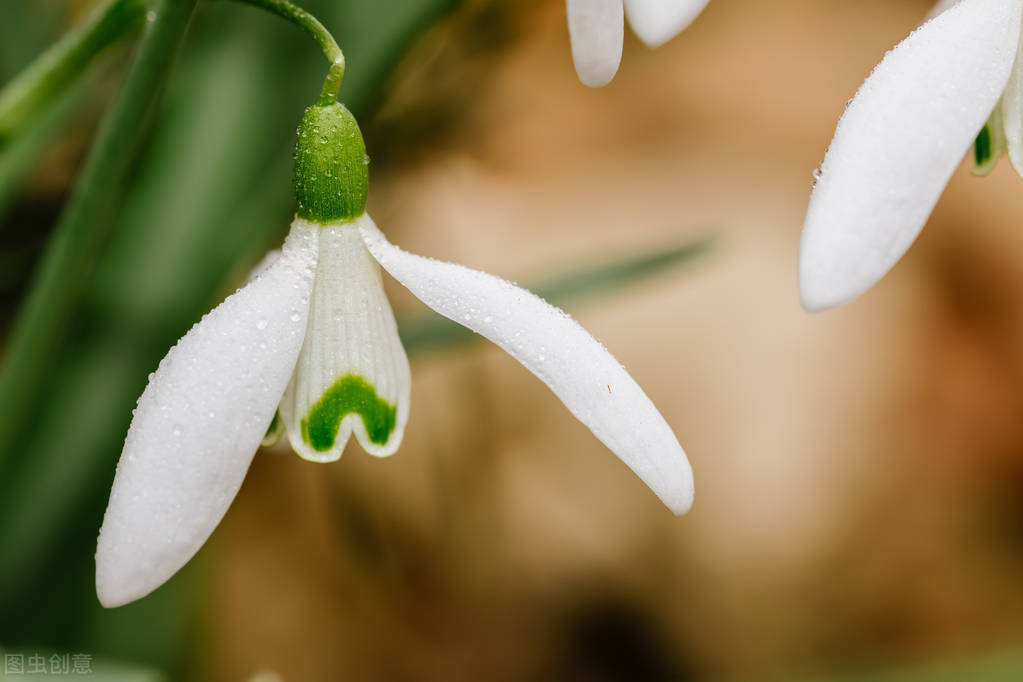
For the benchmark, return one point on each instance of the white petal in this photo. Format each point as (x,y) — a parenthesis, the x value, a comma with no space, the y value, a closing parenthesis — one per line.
(264,264)
(658,21)
(554,347)
(198,424)
(898,144)
(352,374)
(1012,112)
(597,30)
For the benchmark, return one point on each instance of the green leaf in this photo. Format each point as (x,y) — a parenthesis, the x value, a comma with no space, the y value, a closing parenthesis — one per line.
(85,221)
(212,192)
(34,89)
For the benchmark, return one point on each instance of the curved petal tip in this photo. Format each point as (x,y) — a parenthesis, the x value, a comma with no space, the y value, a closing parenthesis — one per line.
(198,424)
(597,30)
(898,143)
(590,382)
(658,21)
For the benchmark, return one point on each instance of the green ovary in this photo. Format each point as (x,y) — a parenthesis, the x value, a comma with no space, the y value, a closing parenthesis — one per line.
(351,394)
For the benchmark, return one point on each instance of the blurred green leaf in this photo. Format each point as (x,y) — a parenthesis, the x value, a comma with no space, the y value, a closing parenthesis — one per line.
(35,88)
(20,154)
(212,192)
(433,332)
(84,224)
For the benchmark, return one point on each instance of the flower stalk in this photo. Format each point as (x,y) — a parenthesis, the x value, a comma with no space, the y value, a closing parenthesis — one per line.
(312,26)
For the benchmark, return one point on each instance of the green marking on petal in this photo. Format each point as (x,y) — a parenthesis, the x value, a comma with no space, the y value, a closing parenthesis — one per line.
(351,394)
(982,146)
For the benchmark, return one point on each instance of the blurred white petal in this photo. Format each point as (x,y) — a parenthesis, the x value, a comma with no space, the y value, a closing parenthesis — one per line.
(898,144)
(198,424)
(597,30)
(352,374)
(658,21)
(554,347)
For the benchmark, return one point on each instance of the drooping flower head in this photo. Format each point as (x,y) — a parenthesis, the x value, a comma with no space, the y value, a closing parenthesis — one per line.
(951,84)
(597,30)
(310,347)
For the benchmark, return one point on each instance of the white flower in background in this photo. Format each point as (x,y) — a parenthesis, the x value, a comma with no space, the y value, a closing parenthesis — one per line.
(597,29)
(901,139)
(314,334)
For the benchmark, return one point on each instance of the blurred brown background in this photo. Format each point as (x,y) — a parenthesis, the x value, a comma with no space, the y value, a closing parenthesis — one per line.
(859,473)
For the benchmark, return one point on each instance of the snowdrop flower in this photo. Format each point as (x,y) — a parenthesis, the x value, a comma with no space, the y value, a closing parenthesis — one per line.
(314,335)
(902,137)
(597,29)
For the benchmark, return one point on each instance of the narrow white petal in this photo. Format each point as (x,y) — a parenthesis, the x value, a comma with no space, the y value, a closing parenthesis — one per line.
(658,21)
(597,30)
(353,374)
(1012,112)
(554,347)
(898,144)
(198,424)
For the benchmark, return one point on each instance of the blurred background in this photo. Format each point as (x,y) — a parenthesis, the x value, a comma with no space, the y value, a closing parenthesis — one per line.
(859,473)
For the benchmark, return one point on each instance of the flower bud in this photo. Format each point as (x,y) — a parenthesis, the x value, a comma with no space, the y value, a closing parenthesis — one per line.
(331,174)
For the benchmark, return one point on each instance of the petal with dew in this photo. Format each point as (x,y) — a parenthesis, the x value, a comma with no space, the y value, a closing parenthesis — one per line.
(596,29)
(581,372)
(198,424)
(658,21)
(352,375)
(899,142)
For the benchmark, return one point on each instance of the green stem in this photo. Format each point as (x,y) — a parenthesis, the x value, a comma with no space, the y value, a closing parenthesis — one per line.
(86,220)
(312,26)
(44,80)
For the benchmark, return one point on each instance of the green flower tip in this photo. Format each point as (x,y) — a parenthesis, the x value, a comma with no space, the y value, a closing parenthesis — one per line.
(331,174)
